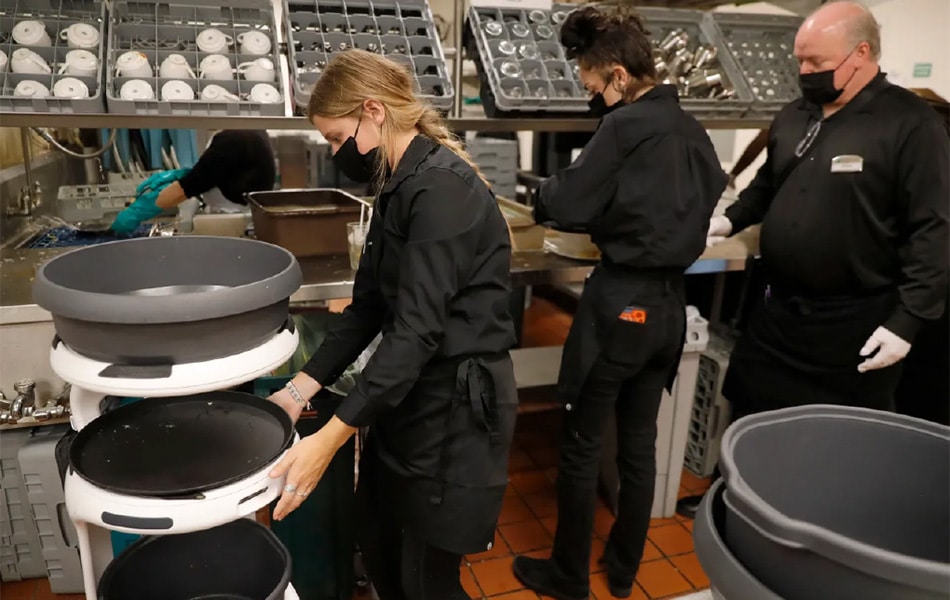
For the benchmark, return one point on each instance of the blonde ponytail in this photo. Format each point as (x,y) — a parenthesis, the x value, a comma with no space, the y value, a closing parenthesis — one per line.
(433,127)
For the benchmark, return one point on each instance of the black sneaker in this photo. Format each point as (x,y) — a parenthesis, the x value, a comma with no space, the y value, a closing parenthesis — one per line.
(542,576)
(617,587)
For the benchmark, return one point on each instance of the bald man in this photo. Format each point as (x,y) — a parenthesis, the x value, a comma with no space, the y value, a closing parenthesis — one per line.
(853,203)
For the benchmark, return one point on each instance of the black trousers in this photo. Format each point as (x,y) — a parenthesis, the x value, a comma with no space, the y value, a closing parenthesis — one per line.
(627,380)
(400,565)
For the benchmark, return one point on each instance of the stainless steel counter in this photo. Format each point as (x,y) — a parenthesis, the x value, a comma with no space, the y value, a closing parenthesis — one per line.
(324,278)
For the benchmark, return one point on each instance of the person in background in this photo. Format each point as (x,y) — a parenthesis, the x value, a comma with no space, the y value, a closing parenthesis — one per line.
(644,187)
(751,152)
(439,393)
(235,163)
(853,204)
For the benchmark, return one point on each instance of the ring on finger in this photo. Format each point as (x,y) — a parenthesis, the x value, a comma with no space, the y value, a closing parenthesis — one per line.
(302,494)
(290,488)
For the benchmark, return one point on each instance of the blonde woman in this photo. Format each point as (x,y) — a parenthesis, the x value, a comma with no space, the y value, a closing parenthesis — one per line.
(439,393)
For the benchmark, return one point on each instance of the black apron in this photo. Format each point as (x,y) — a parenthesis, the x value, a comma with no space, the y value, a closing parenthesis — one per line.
(607,291)
(440,458)
(799,350)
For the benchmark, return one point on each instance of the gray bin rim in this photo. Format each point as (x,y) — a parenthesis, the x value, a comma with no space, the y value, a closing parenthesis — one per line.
(728,575)
(796,534)
(99,307)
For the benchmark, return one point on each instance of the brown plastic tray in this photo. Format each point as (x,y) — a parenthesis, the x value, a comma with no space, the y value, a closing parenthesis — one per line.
(307,222)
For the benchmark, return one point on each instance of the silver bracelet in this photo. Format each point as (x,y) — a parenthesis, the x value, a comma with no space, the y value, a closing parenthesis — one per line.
(295,394)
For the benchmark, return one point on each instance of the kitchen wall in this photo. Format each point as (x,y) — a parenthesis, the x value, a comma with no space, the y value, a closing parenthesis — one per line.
(914,32)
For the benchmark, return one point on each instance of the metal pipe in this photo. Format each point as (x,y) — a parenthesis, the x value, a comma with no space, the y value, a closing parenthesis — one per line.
(27,171)
(458,23)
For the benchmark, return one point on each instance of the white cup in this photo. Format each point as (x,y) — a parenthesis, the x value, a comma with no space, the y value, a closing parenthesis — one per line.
(70,87)
(264,93)
(3,61)
(133,64)
(216,93)
(30,89)
(254,42)
(177,90)
(31,33)
(259,69)
(175,67)
(213,41)
(136,89)
(80,63)
(216,66)
(80,35)
(28,62)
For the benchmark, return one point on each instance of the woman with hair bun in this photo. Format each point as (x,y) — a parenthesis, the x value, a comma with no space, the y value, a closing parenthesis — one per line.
(644,188)
(439,391)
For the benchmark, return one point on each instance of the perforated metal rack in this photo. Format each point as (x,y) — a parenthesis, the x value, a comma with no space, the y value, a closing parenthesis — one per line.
(159,29)
(56,16)
(402,30)
(761,46)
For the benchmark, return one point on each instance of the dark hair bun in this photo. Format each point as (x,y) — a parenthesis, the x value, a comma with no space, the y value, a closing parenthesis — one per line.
(580,30)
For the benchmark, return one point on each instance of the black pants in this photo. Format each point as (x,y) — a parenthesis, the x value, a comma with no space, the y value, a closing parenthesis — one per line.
(400,565)
(626,380)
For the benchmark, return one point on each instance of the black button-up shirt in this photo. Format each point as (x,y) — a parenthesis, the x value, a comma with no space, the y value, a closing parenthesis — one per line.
(236,162)
(644,187)
(434,277)
(864,210)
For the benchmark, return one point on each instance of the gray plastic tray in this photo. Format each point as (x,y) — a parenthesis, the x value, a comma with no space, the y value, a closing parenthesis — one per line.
(161,28)
(402,30)
(47,502)
(661,21)
(761,46)
(56,15)
(523,62)
(21,552)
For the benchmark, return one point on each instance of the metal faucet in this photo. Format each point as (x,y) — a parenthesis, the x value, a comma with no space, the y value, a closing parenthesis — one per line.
(25,401)
(27,200)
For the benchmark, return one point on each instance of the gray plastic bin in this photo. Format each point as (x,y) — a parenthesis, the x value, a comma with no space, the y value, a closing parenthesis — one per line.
(840,502)
(729,578)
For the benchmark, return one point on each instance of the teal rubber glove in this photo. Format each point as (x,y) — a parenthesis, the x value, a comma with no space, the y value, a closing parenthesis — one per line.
(160,180)
(144,207)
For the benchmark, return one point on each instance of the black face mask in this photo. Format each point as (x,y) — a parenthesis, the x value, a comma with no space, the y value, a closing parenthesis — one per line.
(598,106)
(356,166)
(819,88)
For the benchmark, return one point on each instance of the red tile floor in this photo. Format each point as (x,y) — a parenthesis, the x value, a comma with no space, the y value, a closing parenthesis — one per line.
(529,515)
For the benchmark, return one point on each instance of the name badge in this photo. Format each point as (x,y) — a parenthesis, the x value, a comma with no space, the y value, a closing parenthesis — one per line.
(847,163)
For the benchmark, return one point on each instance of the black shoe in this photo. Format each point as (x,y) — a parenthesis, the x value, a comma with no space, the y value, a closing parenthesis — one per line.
(617,588)
(542,576)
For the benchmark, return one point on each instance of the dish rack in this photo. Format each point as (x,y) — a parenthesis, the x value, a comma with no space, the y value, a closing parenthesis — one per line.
(761,47)
(690,55)
(56,15)
(523,68)
(402,30)
(520,62)
(160,29)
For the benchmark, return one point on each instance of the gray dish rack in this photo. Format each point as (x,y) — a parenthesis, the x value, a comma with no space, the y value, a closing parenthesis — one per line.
(159,29)
(762,48)
(523,67)
(56,15)
(520,62)
(696,35)
(402,30)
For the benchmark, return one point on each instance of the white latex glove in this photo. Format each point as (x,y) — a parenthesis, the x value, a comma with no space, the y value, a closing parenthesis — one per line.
(719,229)
(890,349)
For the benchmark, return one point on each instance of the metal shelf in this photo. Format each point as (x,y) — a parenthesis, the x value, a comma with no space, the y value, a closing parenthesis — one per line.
(482,124)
